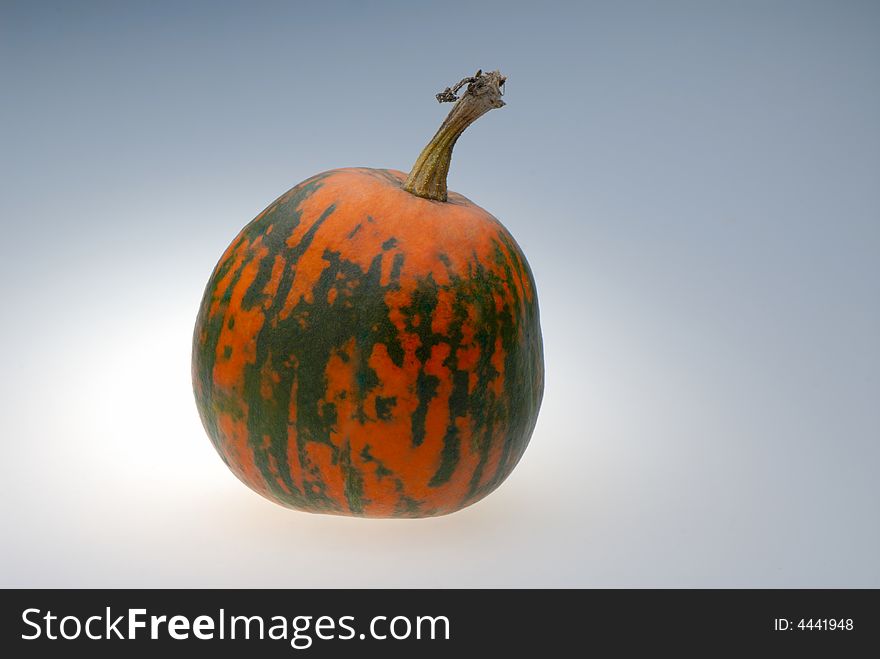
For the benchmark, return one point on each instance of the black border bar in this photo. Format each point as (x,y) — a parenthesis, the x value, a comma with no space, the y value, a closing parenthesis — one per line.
(520,621)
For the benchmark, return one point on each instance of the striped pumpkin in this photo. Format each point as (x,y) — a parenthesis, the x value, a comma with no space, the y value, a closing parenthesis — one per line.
(363,350)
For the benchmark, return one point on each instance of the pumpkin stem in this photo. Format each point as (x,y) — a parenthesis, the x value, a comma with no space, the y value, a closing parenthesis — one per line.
(428,176)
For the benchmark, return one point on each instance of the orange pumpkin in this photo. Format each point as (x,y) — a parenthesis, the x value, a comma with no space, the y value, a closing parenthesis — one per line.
(370,344)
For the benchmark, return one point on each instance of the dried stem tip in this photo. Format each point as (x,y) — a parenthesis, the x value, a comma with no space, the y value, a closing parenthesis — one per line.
(484,91)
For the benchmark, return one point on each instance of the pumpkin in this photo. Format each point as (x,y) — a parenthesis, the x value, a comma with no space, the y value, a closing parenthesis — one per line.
(370,344)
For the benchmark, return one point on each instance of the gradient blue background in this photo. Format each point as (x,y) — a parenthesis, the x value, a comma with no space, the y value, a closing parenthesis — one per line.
(696,186)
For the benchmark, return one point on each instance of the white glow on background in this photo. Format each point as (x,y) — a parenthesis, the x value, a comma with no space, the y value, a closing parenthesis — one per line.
(638,474)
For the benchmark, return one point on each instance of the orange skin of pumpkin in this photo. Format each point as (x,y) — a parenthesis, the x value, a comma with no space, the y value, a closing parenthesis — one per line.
(367,462)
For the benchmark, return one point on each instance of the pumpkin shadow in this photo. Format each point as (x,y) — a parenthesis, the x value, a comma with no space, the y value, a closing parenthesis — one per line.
(491,517)
(261,544)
